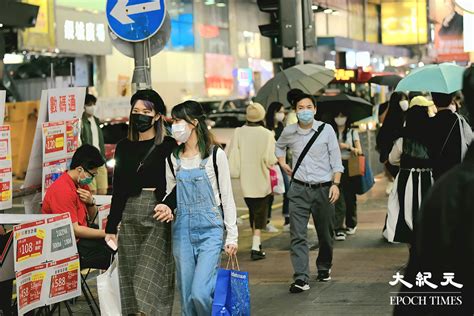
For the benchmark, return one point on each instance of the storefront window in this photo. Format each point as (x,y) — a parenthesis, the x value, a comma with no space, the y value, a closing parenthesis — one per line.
(215,27)
(182,24)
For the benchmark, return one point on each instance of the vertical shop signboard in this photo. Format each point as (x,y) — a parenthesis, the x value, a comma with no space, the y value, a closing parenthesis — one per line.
(46,262)
(103,212)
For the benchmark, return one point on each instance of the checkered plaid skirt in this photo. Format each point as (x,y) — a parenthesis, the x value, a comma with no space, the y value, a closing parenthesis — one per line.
(146,266)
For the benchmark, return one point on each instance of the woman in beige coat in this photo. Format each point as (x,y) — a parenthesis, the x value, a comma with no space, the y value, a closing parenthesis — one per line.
(252,153)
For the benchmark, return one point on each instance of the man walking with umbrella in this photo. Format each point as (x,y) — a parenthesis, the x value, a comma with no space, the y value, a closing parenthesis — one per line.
(315,179)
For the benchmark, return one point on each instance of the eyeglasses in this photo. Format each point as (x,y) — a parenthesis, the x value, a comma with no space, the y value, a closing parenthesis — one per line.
(93,175)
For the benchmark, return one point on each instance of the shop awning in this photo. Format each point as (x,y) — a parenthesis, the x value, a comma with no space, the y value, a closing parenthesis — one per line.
(344,44)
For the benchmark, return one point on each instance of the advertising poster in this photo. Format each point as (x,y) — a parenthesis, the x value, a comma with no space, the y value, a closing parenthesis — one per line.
(5,143)
(449,27)
(52,170)
(73,128)
(104,211)
(6,186)
(46,262)
(54,146)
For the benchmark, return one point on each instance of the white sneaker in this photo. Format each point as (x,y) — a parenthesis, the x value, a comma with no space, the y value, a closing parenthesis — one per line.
(286,227)
(351,231)
(271,229)
(340,236)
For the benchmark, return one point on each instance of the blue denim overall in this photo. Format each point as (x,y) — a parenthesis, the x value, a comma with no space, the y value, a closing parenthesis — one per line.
(198,233)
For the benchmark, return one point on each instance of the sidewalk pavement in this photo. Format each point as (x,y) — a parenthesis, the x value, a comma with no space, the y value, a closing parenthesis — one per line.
(363,265)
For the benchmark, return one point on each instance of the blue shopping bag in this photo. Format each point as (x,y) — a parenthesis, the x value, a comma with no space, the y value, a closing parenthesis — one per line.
(366,181)
(231,295)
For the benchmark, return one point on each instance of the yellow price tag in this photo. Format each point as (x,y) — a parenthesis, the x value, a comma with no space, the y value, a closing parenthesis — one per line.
(41,233)
(73,266)
(38,276)
(59,142)
(6,195)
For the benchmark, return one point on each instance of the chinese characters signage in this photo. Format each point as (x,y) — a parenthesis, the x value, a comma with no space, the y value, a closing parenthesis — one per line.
(82,32)
(64,104)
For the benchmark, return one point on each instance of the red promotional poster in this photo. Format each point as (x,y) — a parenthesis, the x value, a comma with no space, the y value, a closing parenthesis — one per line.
(103,212)
(72,136)
(30,285)
(29,239)
(65,277)
(54,134)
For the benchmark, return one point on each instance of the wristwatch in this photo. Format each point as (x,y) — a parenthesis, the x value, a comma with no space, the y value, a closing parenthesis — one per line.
(91,204)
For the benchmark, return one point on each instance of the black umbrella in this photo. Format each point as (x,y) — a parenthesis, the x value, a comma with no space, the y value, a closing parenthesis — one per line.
(354,107)
(388,80)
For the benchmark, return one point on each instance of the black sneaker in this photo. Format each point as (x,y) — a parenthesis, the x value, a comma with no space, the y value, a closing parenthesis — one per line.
(299,286)
(257,255)
(324,275)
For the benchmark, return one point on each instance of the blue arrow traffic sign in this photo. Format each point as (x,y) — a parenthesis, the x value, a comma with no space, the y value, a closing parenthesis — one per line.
(135,20)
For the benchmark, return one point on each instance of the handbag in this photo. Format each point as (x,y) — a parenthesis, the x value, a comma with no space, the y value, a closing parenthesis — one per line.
(365,182)
(356,165)
(231,294)
(276,180)
(108,289)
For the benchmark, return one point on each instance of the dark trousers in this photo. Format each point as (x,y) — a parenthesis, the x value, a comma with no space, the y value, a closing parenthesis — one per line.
(6,290)
(94,253)
(346,206)
(305,201)
(258,211)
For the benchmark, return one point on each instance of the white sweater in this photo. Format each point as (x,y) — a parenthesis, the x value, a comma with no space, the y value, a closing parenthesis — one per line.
(225,184)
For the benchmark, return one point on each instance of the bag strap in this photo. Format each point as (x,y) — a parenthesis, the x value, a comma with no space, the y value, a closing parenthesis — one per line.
(306,148)
(170,164)
(216,169)
(447,138)
(146,157)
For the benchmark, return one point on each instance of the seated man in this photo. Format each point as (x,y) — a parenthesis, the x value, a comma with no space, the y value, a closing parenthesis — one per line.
(70,193)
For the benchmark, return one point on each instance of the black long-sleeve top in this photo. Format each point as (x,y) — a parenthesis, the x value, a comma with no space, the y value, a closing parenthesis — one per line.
(128,182)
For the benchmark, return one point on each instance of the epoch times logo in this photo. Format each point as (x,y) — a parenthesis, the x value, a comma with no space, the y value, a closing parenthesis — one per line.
(444,294)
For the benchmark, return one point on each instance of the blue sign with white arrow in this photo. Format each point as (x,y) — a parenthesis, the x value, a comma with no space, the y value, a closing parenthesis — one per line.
(135,20)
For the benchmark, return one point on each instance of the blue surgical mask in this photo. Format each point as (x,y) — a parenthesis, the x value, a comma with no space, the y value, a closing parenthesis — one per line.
(305,116)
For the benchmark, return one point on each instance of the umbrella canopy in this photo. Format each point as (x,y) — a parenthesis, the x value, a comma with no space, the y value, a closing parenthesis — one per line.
(442,78)
(388,80)
(308,77)
(354,107)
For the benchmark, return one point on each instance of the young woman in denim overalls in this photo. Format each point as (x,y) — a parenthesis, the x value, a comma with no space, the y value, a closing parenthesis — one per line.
(198,228)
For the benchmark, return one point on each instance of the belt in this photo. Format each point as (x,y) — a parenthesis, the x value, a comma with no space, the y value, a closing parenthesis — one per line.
(313,186)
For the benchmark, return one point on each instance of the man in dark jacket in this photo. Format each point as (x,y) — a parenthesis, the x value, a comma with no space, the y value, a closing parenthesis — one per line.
(91,134)
(444,240)
(445,135)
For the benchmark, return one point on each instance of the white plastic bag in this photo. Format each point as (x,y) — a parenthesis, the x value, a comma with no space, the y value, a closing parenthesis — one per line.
(108,288)
(276,179)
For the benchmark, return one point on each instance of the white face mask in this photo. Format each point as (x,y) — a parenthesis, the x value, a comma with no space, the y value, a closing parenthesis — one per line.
(280,116)
(181,132)
(404,105)
(340,121)
(90,109)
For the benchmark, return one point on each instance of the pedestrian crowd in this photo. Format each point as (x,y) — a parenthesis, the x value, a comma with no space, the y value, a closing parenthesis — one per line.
(173,208)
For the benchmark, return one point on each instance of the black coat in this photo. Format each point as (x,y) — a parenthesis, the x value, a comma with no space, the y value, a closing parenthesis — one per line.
(444,240)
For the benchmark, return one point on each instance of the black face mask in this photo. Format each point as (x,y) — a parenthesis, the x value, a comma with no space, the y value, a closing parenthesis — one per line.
(141,122)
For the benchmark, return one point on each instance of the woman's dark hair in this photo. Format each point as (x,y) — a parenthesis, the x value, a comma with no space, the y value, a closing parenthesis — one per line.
(417,124)
(296,95)
(273,108)
(346,127)
(392,125)
(152,101)
(88,157)
(190,111)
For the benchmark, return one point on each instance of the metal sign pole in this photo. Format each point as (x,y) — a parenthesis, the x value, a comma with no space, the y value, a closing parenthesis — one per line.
(141,73)
(299,49)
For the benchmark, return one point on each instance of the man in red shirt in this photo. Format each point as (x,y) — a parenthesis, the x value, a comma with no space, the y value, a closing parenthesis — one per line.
(70,194)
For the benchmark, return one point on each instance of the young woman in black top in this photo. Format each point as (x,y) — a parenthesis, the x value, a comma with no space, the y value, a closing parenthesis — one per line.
(146,267)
